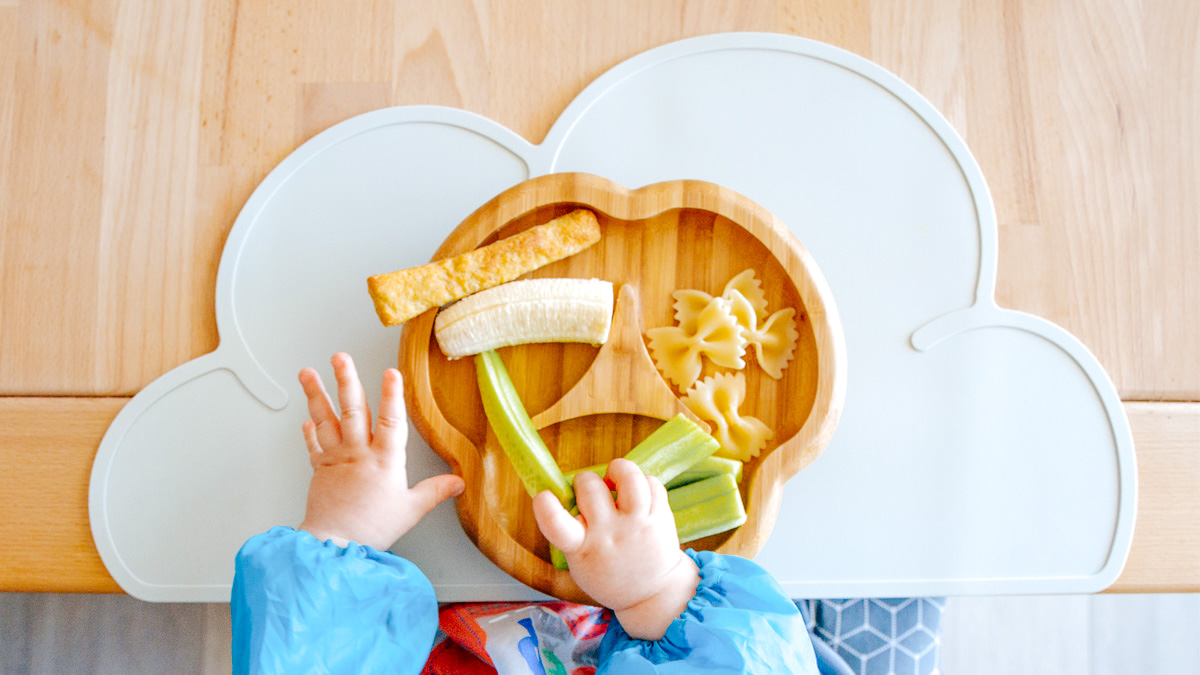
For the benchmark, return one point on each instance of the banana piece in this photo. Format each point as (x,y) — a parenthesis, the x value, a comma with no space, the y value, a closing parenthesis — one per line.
(521,312)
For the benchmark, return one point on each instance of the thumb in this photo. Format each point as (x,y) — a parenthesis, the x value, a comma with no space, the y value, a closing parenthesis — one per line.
(558,526)
(435,490)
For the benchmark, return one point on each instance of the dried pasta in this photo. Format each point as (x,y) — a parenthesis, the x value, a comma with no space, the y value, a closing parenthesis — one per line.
(717,399)
(751,289)
(773,338)
(713,332)
(689,303)
(775,342)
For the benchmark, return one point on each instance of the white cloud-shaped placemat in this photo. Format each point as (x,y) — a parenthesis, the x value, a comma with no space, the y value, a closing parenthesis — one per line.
(980,450)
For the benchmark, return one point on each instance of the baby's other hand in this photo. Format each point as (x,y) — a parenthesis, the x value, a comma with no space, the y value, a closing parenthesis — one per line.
(359,490)
(625,554)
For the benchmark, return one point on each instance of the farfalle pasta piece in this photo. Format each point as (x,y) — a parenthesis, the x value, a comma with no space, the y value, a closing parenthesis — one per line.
(775,342)
(688,305)
(713,332)
(678,350)
(689,302)
(751,289)
(717,399)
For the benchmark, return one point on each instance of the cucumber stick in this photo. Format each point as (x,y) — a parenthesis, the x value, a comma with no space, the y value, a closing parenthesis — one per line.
(558,558)
(514,430)
(702,508)
(706,507)
(707,468)
(672,449)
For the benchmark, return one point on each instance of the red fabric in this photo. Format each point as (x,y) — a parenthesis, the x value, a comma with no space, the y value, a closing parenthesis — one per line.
(460,623)
(449,658)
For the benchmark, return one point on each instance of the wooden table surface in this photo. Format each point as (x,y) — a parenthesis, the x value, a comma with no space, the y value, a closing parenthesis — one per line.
(131,133)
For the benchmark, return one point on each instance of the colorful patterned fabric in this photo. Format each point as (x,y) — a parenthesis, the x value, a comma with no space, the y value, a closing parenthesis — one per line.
(550,638)
(887,636)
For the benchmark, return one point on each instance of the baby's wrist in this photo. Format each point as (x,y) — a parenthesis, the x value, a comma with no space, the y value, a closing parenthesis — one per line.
(322,534)
(650,618)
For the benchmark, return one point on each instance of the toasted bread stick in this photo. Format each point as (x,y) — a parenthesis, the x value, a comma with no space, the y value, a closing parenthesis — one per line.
(401,295)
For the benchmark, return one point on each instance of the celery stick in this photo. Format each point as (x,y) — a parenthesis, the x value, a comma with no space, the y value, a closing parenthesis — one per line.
(558,558)
(514,430)
(672,448)
(707,468)
(598,469)
(701,508)
(669,451)
(706,507)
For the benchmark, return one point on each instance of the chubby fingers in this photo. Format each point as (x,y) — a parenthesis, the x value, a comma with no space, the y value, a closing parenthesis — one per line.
(391,429)
(356,420)
(660,505)
(660,510)
(433,491)
(633,492)
(310,439)
(593,498)
(559,527)
(320,410)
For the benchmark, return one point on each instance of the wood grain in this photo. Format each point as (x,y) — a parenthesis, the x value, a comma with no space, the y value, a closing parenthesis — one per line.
(622,379)
(644,226)
(46,451)
(54,191)
(1079,112)
(1166,556)
(131,134)
(1094,196)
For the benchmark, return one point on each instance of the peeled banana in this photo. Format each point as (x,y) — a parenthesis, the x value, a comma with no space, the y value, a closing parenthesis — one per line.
(521,312)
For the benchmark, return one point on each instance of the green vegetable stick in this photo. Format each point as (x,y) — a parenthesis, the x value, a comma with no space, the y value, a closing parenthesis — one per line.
(706,507)
(707,468)
(673,447)
(702,508)
(558,558)
(514,430)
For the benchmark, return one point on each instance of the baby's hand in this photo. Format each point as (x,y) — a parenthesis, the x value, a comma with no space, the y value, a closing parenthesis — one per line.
(625,555)
(359,490)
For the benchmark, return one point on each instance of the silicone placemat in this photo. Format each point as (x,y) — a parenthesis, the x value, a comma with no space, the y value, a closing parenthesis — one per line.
(981,450)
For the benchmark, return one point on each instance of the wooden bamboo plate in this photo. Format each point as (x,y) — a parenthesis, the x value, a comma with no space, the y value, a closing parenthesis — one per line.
(594,404)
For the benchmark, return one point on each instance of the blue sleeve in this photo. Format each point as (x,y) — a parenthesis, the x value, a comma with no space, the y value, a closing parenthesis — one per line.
(739,622)
(300,605)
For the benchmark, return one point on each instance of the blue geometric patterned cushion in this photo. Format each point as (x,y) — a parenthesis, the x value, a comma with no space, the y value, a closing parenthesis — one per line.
(877,636)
